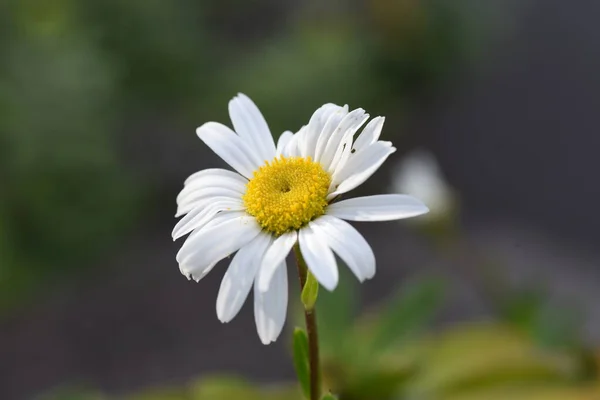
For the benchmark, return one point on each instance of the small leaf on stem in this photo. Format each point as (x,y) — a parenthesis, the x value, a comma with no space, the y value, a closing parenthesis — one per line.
(310,292)
(301,362)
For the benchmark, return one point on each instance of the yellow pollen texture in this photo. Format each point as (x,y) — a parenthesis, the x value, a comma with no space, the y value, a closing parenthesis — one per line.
(287,193)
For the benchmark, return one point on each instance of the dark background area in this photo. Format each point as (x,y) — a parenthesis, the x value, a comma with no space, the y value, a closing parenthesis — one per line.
(99,102)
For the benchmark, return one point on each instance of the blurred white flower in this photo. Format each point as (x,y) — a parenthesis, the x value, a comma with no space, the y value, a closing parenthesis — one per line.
(419,175)
(283,194)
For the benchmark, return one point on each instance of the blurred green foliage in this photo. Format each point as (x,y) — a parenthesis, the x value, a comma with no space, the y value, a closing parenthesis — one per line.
(476,361)
(468,361)
(413,309)
(64,195)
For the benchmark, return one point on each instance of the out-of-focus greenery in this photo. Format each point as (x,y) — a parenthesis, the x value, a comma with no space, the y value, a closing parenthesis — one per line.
(390,355)
(64,194)
(211,388)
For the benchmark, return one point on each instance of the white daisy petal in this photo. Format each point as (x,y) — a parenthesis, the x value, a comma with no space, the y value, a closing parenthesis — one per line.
(333,165)
(261,125)
(319,257)
(224,216)
(203,198)
(370,134)
(342,155)
(206,182)
(273,258)
(349,245)
(201,204)
(330,128)
(215,173)
(238,279)
(213,221)
(292,149)
(217,242)
(383,207)
(334,117)
(345,130)
(218,219)
(230,147)
(250,124)
(270,307)
(359,167)
(199,273)
(194,205)
(199,189)
(315,127)
(195,220)
(283,141)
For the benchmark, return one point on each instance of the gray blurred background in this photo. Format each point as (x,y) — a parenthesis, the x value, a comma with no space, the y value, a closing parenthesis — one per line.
(99,101)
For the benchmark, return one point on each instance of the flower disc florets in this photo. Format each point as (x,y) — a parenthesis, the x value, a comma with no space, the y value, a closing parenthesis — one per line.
(287,193)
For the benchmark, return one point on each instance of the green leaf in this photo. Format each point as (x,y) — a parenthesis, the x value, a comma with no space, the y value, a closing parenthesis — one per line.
(521,308)
(480,356)
(558,326)
(551,325)
(329,396)
(380,383)
(310,292)
(301,362)
(411,311)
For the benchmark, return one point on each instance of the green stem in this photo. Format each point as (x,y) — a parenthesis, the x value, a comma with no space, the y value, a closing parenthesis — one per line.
(311,331)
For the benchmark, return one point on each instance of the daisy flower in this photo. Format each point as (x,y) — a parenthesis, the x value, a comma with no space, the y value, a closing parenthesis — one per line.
(279,195)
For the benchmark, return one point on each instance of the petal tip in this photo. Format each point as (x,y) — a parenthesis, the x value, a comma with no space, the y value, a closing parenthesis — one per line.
(329,286)
(369,277)
(265,341)
(201,130)
(222,318)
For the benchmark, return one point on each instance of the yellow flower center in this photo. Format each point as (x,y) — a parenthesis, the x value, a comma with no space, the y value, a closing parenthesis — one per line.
(287,193)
